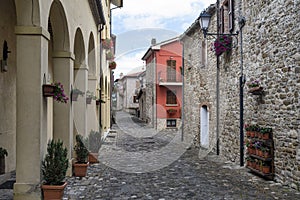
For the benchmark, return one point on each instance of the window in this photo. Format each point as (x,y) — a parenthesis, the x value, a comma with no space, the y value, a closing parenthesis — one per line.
(221,20)
(171,97)
(230,15)
(171,70)
(226,16)
(171,122)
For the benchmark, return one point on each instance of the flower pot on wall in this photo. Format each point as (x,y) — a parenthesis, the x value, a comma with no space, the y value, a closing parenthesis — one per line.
(256,90)
(88,100)
(75,96)
(48,90)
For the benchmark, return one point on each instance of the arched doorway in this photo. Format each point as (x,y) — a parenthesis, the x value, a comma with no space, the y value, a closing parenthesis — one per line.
(204,127)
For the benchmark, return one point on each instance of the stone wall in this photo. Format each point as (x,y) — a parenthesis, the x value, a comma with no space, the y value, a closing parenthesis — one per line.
(271,54)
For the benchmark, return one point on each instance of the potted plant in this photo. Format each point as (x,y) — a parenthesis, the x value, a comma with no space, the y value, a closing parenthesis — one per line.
(254,87)
(81,164)
(171,111)
(222,44)
(3,153)
(54,168)
(112,65)
(109,56)
(107,43)
(94,143)
(55,90)
(75,93)
(89,97)
(265,133)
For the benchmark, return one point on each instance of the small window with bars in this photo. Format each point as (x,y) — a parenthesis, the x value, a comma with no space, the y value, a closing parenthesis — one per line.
(171,97)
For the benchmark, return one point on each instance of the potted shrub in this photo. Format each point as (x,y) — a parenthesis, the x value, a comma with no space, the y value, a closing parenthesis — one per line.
(81,164)
(75,93)
(55,90)
(94,143)
(98,101)
(54,168)
(3,153)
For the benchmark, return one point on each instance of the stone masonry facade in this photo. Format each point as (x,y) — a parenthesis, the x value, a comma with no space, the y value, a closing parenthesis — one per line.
(271,54)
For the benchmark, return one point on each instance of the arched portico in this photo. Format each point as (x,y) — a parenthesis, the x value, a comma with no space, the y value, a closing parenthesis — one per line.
(92,115)
(80,82)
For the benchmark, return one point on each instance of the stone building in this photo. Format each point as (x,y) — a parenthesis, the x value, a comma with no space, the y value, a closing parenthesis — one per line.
(270,44)
(46,41)
(141,96)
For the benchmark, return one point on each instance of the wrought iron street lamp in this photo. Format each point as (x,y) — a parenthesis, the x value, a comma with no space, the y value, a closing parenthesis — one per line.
(204,20)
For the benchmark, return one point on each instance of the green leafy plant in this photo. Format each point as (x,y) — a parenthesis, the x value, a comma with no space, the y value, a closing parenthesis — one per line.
(90,94)
(77,91)
(94,141)
(253,83)
(107,43)
(55,163)
(3,152)
(109,56)
(81,150)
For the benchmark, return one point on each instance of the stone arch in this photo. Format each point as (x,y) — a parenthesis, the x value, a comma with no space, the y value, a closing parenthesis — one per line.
(58,28)
(92,55)
(28,13)
(80,82)
(8,80)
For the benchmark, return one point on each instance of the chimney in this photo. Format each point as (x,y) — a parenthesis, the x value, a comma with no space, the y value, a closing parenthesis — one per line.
(153,41)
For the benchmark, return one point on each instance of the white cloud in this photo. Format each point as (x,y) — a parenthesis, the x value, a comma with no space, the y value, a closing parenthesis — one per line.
(155,13)
(129,63)
(141,20)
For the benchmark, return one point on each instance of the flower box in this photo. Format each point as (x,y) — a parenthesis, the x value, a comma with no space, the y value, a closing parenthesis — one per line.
(112,65)
(256,90)
(55,90)
(48,90)
(222,44)
(88,100)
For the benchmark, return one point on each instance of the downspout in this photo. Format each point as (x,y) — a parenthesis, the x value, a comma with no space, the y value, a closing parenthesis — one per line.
(182,104)
(218,88)
(100,79)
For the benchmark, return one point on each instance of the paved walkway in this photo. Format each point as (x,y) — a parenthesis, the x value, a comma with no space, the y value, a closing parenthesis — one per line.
(138,163)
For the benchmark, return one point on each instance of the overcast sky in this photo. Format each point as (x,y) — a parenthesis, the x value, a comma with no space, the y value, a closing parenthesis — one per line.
(141,20)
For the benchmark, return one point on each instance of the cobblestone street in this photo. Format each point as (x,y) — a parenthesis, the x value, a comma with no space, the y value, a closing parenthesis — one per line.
(188,177)
(137,163)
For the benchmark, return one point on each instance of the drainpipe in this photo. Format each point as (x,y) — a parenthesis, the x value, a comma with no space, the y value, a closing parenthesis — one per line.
(100,79)
(218,87)
(242,82)
(182,104)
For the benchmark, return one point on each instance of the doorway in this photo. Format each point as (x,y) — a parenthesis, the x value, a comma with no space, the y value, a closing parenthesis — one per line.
(204,127)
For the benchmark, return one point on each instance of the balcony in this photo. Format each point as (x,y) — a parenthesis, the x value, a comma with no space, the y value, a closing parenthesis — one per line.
(169,79)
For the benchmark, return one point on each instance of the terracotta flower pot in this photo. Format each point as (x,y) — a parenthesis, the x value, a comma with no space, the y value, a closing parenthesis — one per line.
(53,191)
(93,158)
(80,169)
(266,169)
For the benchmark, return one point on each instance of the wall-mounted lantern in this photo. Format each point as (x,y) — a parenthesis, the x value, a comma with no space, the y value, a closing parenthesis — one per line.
(4,57)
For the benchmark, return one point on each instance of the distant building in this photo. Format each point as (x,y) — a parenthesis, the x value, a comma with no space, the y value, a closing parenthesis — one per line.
(164,84)
(126,96)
